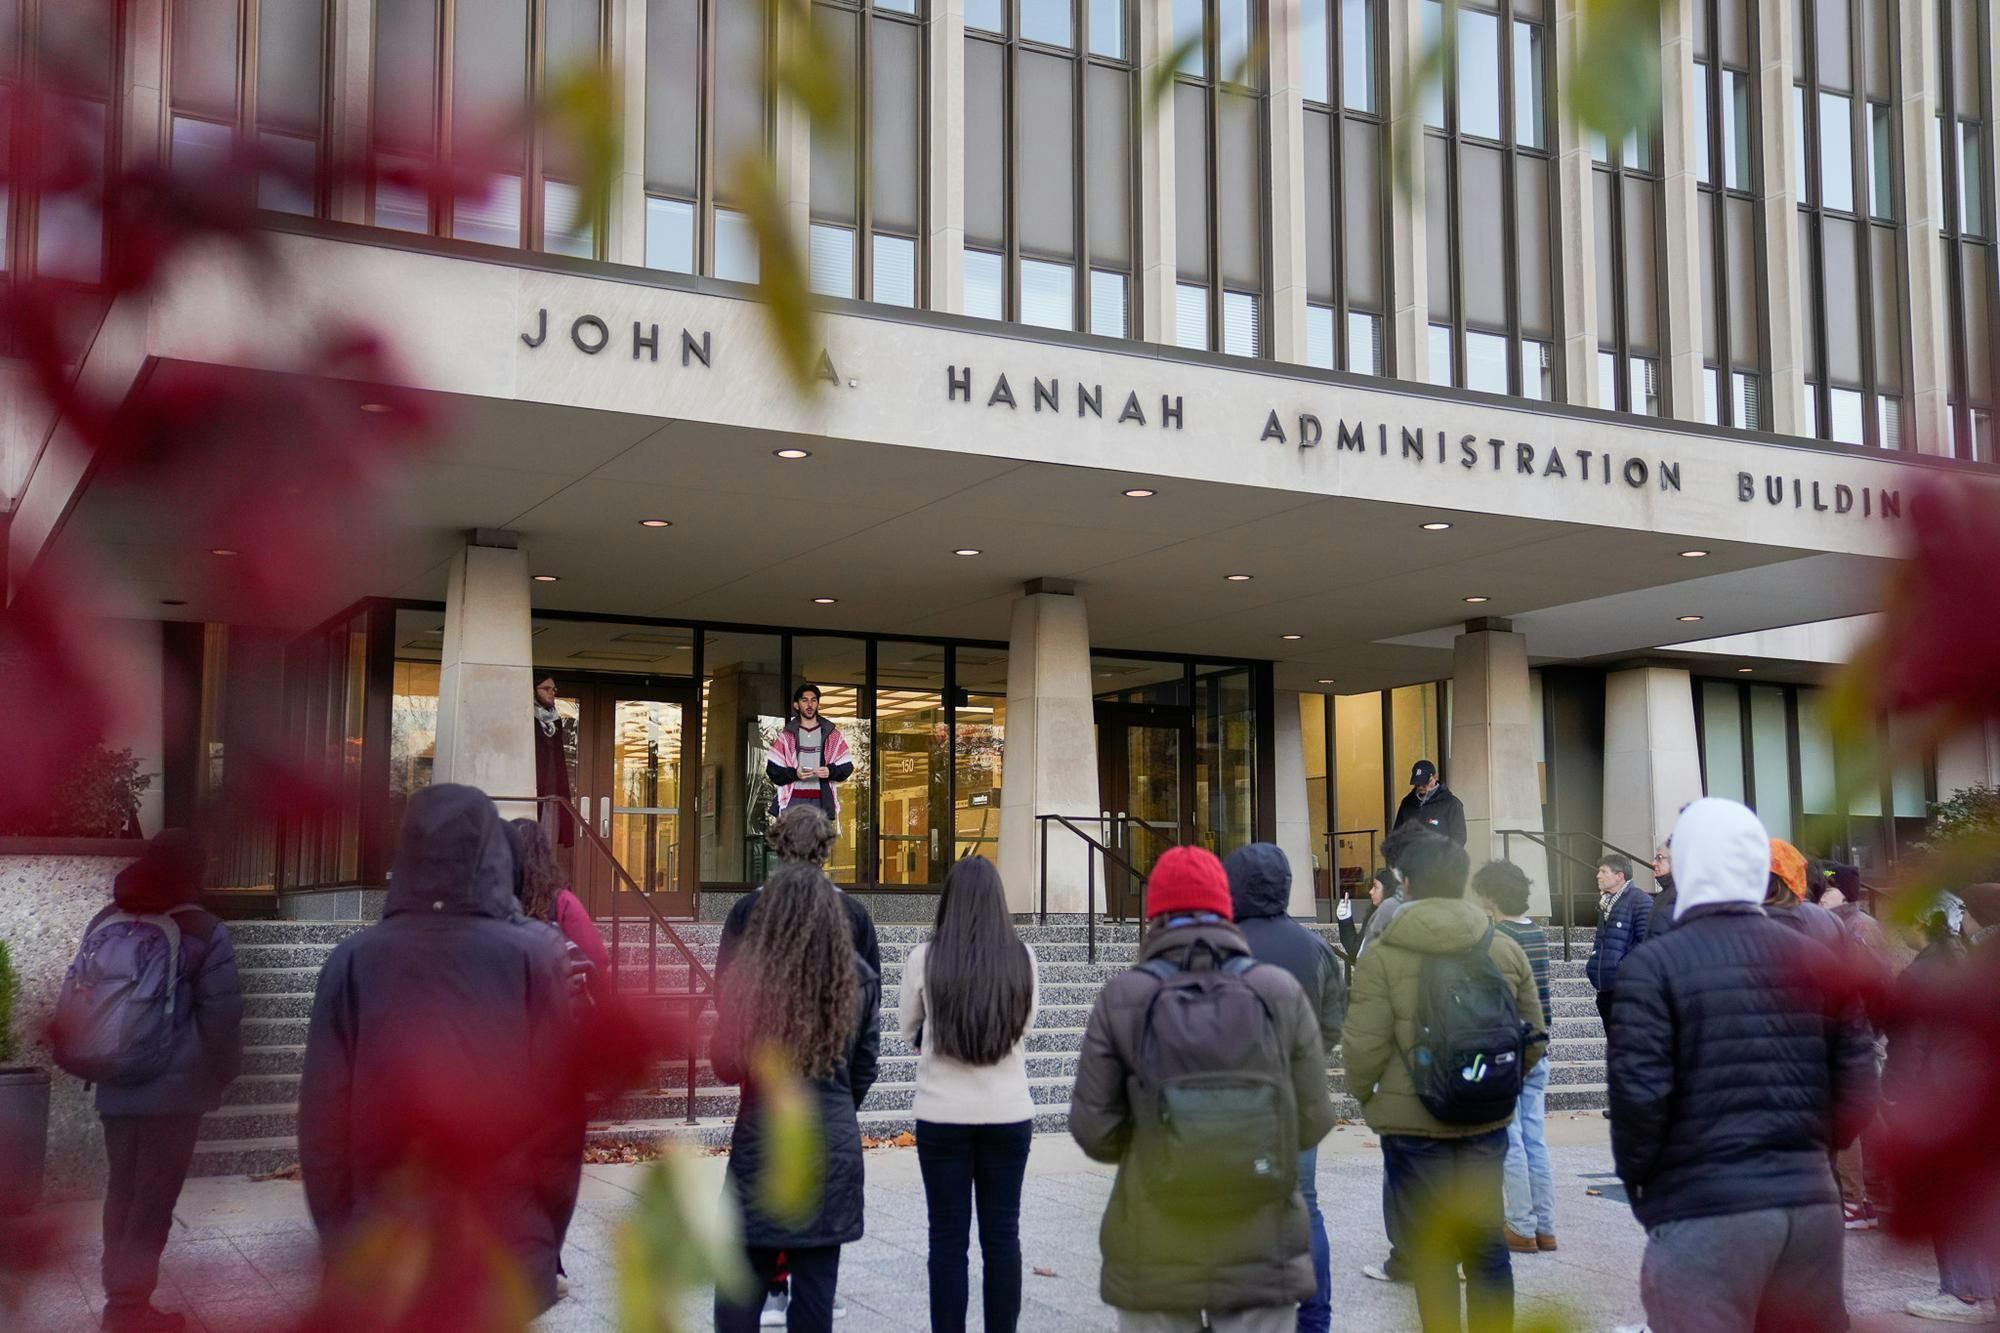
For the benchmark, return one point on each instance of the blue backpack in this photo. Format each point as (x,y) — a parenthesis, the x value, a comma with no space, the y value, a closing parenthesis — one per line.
(114,1021)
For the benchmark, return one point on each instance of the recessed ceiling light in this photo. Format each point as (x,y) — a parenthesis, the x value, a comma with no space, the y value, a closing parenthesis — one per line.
(182,601)
(1693,555)
(1476,600)
(222,550)
(1326,680)
(1237,578)
(1687,620)
(656,523)
(375,407)
(1744,671)
(1439,526)
(966,550)
(1291,636)
(793,453)
(1139,493)
(548,578)
(824,601)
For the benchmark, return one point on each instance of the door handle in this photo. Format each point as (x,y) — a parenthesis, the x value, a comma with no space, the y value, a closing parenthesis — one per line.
(604,816)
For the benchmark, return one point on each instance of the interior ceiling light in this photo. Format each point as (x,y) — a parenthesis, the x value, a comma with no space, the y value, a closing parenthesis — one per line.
(1438,526)
(1744,671)
(793,453)
(966,550)
(1693,555)
(182,601)
(547,578)
(1139,493)
(824,601)
(1237,578)
(656,523)
(375,407)
(1687,620)
(221,550)
(1326,680)
(1291,636)
(1476,600)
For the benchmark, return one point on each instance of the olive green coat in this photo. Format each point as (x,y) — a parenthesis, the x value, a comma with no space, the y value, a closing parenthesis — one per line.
(1382,1012)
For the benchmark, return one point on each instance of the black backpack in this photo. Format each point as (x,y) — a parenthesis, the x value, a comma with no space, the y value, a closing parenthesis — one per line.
(1224,1134)
(1468,1061)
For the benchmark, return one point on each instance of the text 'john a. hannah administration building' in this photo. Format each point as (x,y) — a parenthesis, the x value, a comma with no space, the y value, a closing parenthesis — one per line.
(1182,468)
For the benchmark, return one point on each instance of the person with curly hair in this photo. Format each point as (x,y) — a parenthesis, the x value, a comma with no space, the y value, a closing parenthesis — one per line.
(803,835)
(797,999)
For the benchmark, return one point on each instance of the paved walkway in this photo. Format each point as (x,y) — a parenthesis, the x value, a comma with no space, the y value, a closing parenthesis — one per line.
(243,1250)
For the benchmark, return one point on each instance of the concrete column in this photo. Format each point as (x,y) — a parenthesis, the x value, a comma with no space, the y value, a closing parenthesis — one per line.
(1927,397)
(1652,763)
(351,77)
(625,229)
(1051,763)
(1159,256)
(1681,193)
(1294,831)
(1408,334)
(1778,217)
(485,735)
(1576,203)
(1493,749)
(945,32)
(1287,235)
(791,138)
(1969,758)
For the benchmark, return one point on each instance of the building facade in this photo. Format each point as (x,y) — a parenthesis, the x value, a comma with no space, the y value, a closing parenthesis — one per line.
(1213,416)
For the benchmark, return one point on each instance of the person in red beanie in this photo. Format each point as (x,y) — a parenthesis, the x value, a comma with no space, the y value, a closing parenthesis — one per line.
(1202,1077)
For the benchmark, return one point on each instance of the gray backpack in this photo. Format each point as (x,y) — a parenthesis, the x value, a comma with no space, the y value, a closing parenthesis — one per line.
(114,1021)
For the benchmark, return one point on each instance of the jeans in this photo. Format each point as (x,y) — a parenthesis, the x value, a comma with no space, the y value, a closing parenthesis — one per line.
(1531,1185)
(814,1273)
(1739,1272)
(1962,1269)
(964,1166)
(1446,1195)
(1315,1313)
(149,1157)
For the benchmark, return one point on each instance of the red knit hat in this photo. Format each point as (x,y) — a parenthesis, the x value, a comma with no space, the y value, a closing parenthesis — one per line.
(1188,879)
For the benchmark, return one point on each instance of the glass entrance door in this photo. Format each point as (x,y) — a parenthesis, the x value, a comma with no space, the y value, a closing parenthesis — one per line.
(1144,755)
(637,799)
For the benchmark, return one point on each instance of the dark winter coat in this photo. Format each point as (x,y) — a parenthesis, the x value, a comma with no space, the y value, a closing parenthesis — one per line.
(1619,931)
(1155,1259)
(1811,920)
(1260,889)
(836,1098)
(866,946)
(552,779)
(442,1035)
(208,1025)
(1732,1079)
(1443,812)
(1661,919)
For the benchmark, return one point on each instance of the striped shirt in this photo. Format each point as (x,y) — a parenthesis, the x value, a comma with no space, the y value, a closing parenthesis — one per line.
(1534,942)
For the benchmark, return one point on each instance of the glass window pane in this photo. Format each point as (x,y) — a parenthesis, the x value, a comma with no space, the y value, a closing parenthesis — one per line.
(1225,722)
(1607,380)
(204,56)
(1316,74)
(1600,149)
(69,237)
(1811,416)
(736,256)
(1190,23)
(895,279)
(290,61)
(915,830)
(673,95)
(1319,336)
(1107,304)
(1799,158)
(1191,316)
(1971,179)
(899,6)
(670,235)
(1881,164)
(1638,150)
(1736,130)
(285,184)
(1845,407)
(1889,422)
(742,708)
(830,260)
(1240,335)
(985,286)
(201,147)
(1538,379)
(1485,361)
(978,753)
(1704,167)
(1046,21)
(1711,395)
(398,206)
(1364,343)
(984,15)
(489,88)
(1748,414)
(1722,740)
(1357,55)
(1358,790)
(1432,32)
(1233,42)
(492,220)
(1440,354)
(1530,114)
(1107,28)
(565,228)
(1048,294)
(1645,386)
(1771,759)
(1836,154)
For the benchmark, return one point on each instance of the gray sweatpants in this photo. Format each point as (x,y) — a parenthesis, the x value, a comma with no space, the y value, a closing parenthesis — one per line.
(1773,1268)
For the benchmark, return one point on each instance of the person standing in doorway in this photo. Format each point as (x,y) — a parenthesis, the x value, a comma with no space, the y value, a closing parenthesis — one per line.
(1624,911)
(552,746)
(1430,804)
(968,998)
(808,758)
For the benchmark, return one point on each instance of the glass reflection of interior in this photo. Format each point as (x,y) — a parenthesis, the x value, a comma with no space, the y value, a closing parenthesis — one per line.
(646,792)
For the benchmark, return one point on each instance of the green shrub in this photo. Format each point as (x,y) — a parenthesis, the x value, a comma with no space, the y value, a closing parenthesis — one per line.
(9,985)
(97,798)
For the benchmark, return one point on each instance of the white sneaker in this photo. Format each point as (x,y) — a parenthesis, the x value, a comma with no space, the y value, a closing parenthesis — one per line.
(1951,1310)
(839,1307)
(562,1287)
(1379,1272)
(775,1305)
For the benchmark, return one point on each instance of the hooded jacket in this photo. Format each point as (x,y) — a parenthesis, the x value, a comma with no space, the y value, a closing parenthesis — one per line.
(440,1041)
(1260,891)
(1443,812)
(1160,1259)
(1732,1077)
(1382,1012)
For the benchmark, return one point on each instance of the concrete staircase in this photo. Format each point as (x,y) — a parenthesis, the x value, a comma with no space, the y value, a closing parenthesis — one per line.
(280,961)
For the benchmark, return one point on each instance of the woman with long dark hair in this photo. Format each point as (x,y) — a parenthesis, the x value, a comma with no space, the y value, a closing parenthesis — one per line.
(798,995)
(546,896)
(967,1000)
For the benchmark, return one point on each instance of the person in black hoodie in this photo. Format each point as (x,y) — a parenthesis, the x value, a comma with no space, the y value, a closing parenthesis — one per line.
(439,1051)
(1429,804)
(1260,890)
(150,1127)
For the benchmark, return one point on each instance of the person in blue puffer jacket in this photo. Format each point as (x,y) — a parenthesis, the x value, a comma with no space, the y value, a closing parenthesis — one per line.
(1625,912)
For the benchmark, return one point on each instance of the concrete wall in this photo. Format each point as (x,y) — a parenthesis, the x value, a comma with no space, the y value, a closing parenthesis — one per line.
(1652,765)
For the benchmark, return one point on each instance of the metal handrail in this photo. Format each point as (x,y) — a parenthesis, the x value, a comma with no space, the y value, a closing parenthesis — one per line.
(701,984)
(1090,871)
(1333,837)
(1507,836)
(1634,857)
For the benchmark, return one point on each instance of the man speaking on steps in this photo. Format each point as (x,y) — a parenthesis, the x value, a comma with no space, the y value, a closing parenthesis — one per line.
(808,757)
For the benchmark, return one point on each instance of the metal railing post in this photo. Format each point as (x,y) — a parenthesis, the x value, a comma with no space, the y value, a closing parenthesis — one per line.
(1569,916)
(1043,820)
(1090,904)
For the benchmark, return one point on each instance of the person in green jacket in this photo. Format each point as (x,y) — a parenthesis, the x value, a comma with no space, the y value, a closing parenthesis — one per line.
(1441,1192)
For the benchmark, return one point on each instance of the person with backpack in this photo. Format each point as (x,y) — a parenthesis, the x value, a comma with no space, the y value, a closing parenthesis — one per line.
(1260,891)
(546,896)
(799,996)
(1501,887)
(151,1011)
(1734,1078)
(968,999)
(1202,1078)
(1443,1025)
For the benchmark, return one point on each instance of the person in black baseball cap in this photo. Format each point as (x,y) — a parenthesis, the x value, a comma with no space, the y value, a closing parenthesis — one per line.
(1430,803)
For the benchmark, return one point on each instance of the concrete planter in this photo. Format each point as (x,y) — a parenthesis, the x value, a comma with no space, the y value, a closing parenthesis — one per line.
(24,1136)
